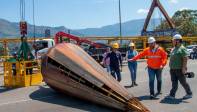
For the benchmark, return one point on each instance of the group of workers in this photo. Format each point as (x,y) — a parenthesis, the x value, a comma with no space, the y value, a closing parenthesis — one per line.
(156,61)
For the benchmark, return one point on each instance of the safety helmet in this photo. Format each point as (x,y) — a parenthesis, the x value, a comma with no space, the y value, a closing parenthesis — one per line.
(177,37)
(151,40)
(131,44)
(115,45)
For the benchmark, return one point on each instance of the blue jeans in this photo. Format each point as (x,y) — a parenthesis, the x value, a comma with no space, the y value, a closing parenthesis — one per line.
(195,55)
(152,73)
(115,72)
(133,70)
(108,68)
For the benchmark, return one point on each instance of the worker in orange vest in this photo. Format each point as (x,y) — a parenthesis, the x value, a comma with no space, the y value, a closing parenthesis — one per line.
(156,60)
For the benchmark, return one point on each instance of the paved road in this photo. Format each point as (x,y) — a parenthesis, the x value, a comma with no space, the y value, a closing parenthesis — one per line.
(161,104)
(44,99)
(1,68)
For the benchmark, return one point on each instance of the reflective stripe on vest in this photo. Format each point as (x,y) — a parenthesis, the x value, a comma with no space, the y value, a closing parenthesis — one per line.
(154,57)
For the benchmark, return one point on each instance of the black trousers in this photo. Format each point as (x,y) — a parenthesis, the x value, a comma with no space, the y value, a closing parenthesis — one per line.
(115,72)
(177,75)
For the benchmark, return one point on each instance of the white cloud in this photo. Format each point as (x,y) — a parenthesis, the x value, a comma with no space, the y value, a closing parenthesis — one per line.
(142,11)
(174,1)
(183,8)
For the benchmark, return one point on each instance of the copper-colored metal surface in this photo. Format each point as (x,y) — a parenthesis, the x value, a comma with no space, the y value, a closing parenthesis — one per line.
(69,69)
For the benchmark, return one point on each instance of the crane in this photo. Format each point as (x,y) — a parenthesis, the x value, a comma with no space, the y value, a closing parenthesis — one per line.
(60,35)
(156,3)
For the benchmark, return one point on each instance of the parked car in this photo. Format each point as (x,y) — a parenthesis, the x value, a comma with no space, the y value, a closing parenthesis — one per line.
(190,50)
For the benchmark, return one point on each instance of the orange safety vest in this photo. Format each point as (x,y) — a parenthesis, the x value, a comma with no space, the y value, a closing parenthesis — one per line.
(155,59)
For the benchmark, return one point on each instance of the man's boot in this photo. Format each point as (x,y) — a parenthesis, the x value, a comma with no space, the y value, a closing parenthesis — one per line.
(132,85)
(135,84)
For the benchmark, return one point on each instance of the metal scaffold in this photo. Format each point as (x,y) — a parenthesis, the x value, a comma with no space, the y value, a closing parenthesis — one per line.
(21,69)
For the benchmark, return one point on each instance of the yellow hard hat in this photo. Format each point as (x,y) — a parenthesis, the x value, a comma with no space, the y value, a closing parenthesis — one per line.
(115,45)
(131,44)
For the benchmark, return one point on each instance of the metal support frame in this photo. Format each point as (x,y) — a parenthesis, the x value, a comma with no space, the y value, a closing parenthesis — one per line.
(156,3)
(17,73)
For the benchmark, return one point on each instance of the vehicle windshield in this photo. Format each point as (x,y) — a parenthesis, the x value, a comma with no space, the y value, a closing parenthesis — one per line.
(191,46)
(41,44)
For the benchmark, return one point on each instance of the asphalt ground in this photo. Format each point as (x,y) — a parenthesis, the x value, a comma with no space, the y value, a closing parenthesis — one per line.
(43,99)
(1,68)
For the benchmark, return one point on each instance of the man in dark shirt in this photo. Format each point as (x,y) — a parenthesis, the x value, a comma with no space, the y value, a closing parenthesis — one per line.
(195,52)
(115,61)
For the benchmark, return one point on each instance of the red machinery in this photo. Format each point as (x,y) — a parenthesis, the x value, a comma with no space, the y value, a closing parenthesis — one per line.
(23,28)
(96,50)
(60,35)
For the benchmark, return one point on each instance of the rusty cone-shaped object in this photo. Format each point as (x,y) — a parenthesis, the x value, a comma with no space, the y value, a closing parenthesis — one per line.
(69,69)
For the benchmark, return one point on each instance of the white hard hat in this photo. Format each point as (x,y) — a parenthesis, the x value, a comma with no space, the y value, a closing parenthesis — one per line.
(177,36)
(151,40)
(131,44)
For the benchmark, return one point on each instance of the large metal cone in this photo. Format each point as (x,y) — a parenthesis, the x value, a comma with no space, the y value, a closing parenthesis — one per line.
(69,69)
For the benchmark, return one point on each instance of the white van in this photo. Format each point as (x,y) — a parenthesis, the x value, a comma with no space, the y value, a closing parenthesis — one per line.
(42,46)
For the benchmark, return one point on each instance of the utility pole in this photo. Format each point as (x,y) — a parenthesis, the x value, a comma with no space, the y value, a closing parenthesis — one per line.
(120,23)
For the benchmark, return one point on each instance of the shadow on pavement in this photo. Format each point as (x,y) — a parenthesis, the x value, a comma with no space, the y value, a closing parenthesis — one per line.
(146,97)
(128,86)
(173,101)
(50,96)
(3,89)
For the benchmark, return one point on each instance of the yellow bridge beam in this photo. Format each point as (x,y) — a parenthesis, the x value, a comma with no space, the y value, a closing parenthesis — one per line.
(138,38)
(17,39)
(134,38)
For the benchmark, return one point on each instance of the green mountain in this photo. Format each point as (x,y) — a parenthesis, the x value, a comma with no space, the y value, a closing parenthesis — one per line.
(11,29)
(129,28)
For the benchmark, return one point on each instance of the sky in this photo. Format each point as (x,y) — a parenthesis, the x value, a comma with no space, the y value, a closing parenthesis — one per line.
(80,14)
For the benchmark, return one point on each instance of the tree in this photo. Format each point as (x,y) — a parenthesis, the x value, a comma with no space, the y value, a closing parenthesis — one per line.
(185,22)
(1,50)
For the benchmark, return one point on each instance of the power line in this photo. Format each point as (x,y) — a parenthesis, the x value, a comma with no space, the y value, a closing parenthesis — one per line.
(22,10)
(34,27)
(120,22)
